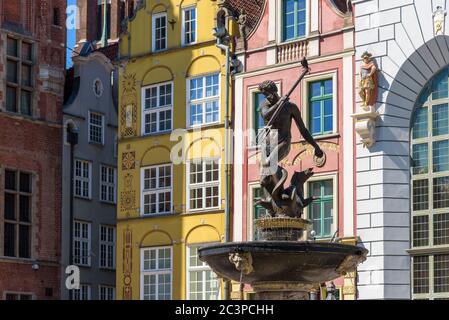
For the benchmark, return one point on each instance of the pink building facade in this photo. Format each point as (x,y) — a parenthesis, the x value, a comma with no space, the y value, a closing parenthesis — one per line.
(288,30)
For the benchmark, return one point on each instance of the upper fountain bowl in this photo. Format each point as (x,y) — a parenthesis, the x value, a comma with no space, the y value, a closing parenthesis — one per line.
(282,261)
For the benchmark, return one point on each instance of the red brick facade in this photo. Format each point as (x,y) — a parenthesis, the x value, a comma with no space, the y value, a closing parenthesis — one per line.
(31,140)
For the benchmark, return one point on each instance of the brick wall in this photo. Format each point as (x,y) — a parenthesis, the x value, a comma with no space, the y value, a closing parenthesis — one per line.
(34,144)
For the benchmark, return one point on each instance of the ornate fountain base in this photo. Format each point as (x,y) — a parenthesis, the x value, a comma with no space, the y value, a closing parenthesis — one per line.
(282,290)
(282,228)
(282,269)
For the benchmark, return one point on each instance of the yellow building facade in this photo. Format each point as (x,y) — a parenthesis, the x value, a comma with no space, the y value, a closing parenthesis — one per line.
(173,102)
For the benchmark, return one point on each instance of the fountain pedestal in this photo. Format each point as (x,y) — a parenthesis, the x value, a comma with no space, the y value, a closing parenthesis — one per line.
(282,269)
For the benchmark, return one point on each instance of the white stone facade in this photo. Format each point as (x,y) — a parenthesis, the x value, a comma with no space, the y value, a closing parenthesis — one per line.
(401,36)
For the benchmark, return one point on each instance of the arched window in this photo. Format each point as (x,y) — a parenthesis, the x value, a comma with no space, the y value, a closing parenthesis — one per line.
(430,191)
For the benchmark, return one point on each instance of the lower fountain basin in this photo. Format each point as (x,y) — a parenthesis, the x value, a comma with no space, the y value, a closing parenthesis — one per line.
(284,261)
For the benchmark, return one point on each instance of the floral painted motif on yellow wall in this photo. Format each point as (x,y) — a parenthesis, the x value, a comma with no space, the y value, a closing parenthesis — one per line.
(128,113)
(127,264)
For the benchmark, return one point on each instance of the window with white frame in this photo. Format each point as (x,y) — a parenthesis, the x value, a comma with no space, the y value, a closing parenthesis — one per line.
(156,273)
(81,243)
(107,183)
(83,293)
(157,189)
(204,100)
(107,247)
(204,184)
(82,178)
(160,31)
(106,292)
(189,26)
(96,127)
(203,283)
(321,210)
(294,19)
(158,108)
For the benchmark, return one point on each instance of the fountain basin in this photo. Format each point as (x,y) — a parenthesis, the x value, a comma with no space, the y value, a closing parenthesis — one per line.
(300,262)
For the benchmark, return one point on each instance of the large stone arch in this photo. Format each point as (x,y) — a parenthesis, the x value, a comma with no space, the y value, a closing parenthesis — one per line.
(408,55)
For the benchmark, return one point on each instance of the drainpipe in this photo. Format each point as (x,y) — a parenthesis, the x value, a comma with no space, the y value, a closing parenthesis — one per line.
(72,139)
(227,166)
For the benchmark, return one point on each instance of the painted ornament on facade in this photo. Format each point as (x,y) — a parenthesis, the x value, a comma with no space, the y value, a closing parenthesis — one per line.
(439,17)
(128,160)
(127,264)
(128,115)
(128,197)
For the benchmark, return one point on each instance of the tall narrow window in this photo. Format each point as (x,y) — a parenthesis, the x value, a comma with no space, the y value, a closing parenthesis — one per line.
(321,210)
(106,292)
(203,282)
(107,247)
(204,185)
(19,76)
(107,184)
(96,128)
(258,99)
(56,17)
(157,190)
(83,293)
(321,107)
(158,108)
(156,273)
(160,32)
(81,243)
(430,193)
(189,26)
(100,19)
(83,178)
(258,210)
(294,19)
(17,214)
(204,101)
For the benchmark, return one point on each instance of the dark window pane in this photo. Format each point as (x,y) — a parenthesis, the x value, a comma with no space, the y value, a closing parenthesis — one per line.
(26,75)
(10,206)
(11,99)
(25,297)
(24,241)
(441,192)
(25,103)
(25,182)
(420,231)
(27,52)
(441,273)
(11,71)
(12,47)
(421,274)
(10,180)
(441,229)
(11,296)
(10,240)
(24,208)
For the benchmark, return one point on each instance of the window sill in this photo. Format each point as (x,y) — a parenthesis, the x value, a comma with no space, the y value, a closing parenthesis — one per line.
(17,260)
(108,202)
(82,198)
(97,144)
(205,126)
(156,134)
(428,250)
(323,136)
(106,269)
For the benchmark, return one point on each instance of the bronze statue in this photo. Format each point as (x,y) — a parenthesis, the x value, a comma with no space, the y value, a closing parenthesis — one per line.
(278,114)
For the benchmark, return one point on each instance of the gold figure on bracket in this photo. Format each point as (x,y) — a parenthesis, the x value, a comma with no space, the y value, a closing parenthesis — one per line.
(368,81)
